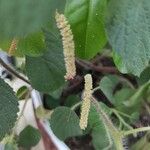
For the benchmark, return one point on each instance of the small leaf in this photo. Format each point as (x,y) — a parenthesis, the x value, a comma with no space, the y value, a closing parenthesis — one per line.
(22,92)
(29,137)
(46,73)
(8,108)
(65,123)
(135,99)
(121,97)
(86,19)
(127,26)
(107,85)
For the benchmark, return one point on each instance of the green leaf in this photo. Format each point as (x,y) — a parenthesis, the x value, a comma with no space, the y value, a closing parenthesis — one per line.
(65,123)
(22,92)
(142,144)
(107,85)
(29,137)
(121,97)
(32,44)
(8,108)
(86,19)
(127,26)
(72,100)
(46,73)
(136,98)
(100,138)
(19,17)
(50,102)
(145,76)
(10,146)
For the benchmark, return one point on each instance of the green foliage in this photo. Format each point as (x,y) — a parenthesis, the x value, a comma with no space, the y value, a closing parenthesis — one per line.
(22,92)
(49,69)
(8,109)
(65,123)
(107,85)
(142,144)
(51,102)
(10,146)
(86,19)
(100,137)
(29,137)
(19,17)
(127,26)
(144,77)
(32,44)
(134,100)
(72,100)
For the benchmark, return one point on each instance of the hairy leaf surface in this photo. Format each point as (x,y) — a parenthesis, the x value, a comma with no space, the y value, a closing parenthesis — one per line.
(8,108)
(128,30)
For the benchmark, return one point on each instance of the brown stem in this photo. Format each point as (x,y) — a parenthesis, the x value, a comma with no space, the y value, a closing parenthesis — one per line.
(100,69)
(13,71)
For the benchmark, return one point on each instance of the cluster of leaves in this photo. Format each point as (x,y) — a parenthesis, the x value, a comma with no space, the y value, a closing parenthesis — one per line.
(122,24)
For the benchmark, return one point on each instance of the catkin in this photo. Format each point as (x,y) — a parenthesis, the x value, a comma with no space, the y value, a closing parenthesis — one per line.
(68,45)
(87,94)
(13,47)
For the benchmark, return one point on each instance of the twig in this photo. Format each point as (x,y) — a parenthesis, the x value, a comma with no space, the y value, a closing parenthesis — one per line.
(74,107)
(13,71)
(101,69)
(125,133)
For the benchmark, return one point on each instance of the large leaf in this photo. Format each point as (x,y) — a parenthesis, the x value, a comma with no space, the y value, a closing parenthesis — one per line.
(65,123)
(46,73)
(29,137)
(32,45)
(86,19)
(8,108)
(20,17)
(128,30)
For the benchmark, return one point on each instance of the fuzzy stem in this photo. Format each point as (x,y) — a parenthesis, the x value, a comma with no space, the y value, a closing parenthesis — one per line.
(125,133)
(116,135)
(76,105)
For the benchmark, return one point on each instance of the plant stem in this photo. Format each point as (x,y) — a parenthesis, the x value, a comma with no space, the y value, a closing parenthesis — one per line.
(101,69)
(125,133)
(123,114)
(9,68)
(121,119)
(76,105)
(115,133)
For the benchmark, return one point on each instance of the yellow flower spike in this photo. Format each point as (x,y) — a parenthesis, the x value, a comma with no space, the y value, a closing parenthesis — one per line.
(68,45)
(87,95)
(13,47)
